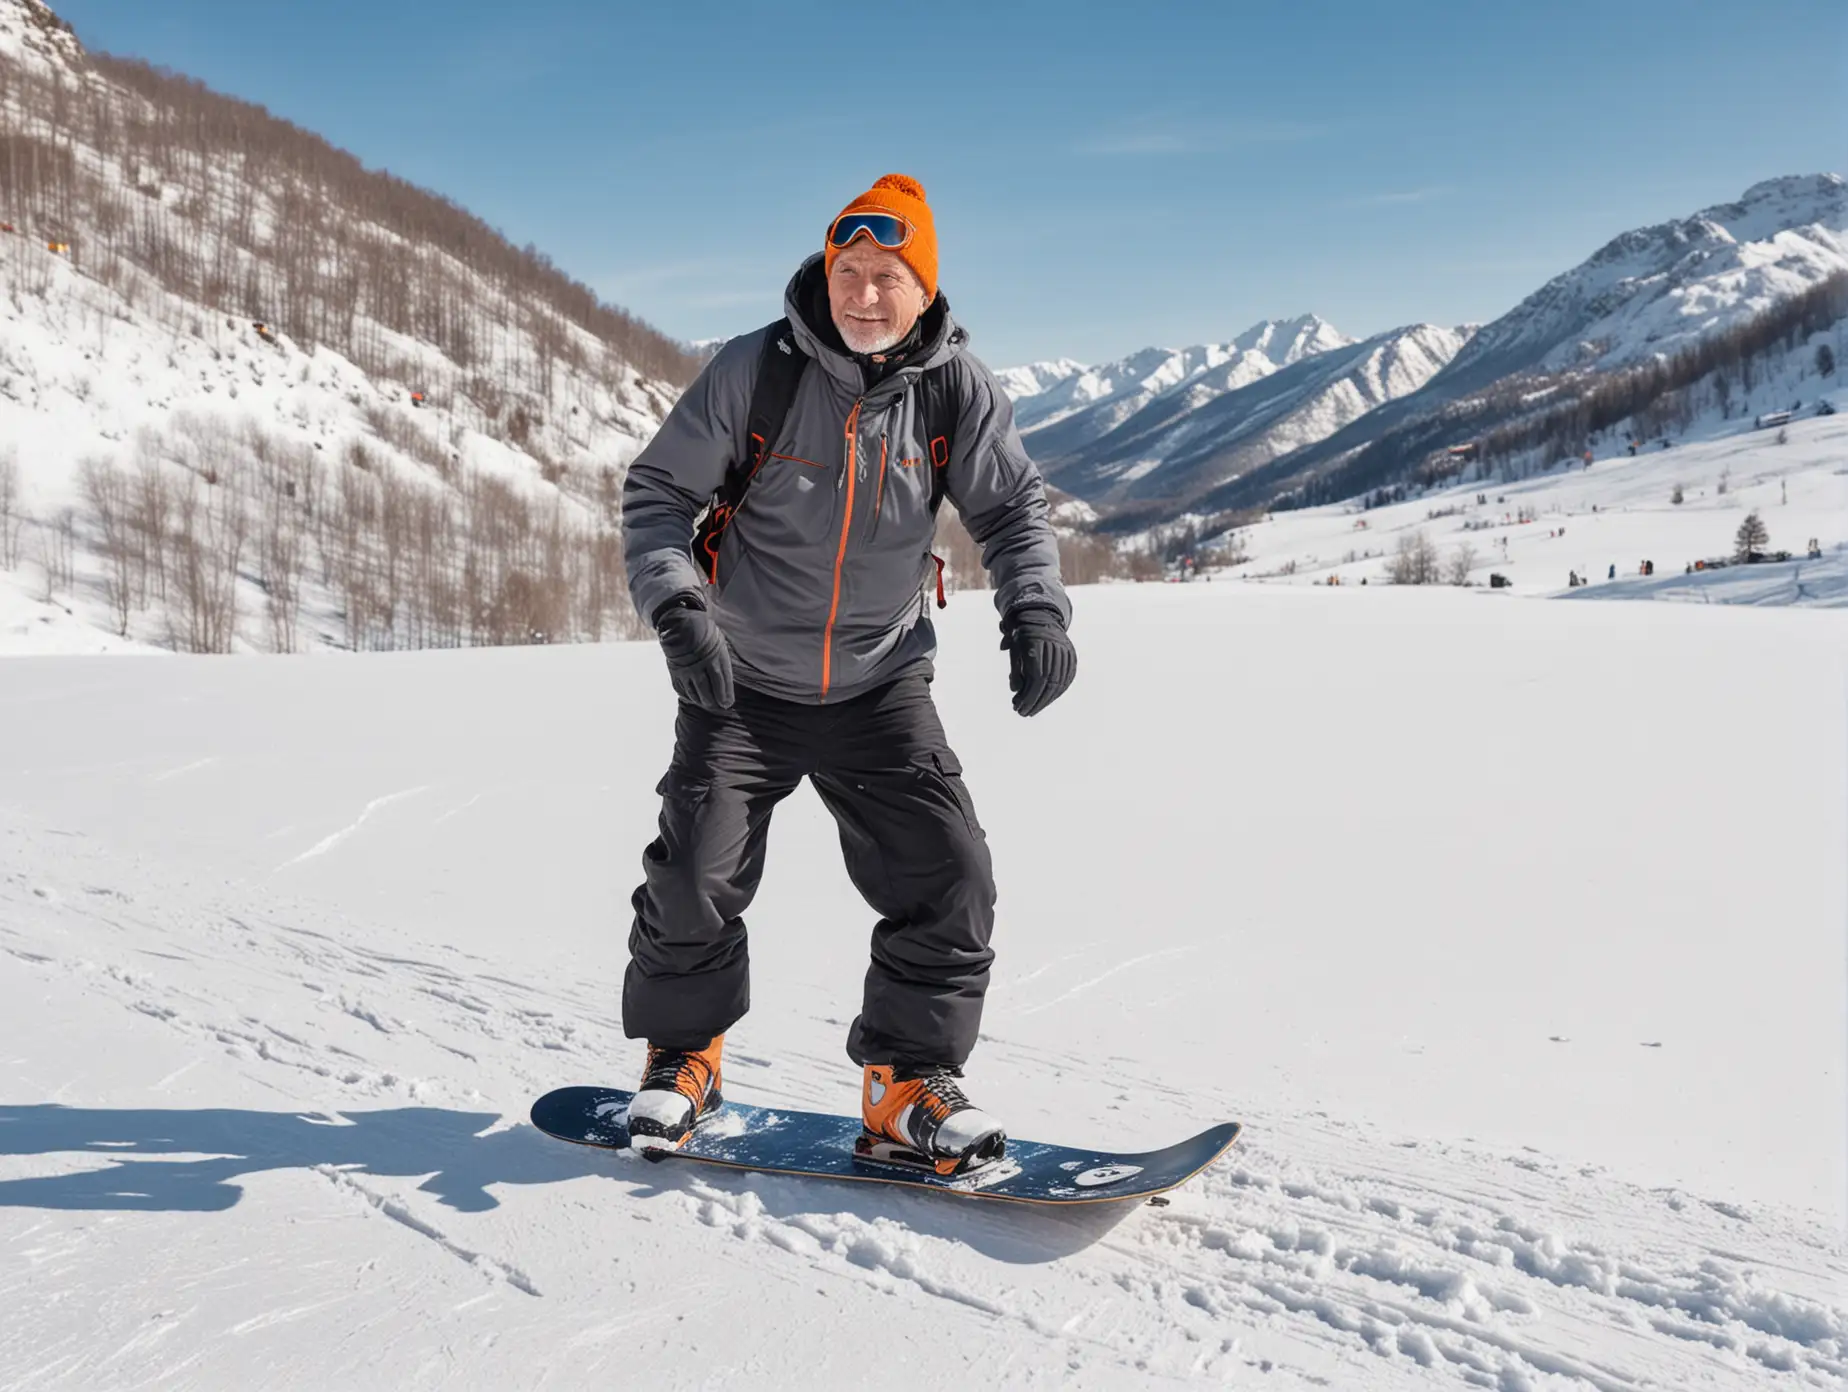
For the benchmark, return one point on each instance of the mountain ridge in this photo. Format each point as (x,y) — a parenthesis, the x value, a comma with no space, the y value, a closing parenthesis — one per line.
(1647,293)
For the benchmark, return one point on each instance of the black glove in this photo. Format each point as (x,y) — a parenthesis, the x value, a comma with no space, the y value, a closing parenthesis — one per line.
(697,658)
(1041,659)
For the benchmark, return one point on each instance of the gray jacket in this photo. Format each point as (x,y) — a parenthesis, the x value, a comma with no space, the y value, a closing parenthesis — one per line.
(824,573)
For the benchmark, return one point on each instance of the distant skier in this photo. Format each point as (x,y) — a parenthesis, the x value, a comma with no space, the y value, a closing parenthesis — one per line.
(1613,574)
(800,647)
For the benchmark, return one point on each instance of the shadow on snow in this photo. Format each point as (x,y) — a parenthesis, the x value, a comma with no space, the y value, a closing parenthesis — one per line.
(462,1161)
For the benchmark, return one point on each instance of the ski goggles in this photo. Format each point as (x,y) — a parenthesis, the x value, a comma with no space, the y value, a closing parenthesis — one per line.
(886,230)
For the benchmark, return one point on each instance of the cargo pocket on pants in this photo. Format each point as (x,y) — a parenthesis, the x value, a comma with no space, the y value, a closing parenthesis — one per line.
(682,796)
(947,772)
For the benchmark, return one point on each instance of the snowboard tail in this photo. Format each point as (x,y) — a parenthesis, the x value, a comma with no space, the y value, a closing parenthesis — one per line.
(776,1140)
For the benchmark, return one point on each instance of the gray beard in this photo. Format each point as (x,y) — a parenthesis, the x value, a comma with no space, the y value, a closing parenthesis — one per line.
(879,344)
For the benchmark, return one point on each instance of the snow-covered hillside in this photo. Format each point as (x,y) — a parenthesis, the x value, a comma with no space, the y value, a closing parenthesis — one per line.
(1538,532)
(31,33)
(1657,289)
(1512,932)
(251,326)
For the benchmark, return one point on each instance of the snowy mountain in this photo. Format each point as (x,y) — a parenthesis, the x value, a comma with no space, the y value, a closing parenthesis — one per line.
(1645,297)
(1182,442)
(1022,382)
(1656,289)
(1097,399)
(383,424)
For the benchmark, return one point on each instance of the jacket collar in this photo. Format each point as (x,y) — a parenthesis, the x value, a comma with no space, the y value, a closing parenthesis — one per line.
(805,303)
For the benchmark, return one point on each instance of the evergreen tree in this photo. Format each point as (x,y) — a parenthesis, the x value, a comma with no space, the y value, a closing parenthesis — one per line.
(1751,537)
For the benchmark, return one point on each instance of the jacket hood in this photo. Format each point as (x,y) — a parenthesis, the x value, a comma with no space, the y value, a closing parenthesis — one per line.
(805,303)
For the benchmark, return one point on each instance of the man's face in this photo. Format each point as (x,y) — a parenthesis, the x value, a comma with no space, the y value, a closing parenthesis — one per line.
(874,297)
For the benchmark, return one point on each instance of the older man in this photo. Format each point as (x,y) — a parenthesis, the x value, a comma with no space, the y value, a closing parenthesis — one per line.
(797,634)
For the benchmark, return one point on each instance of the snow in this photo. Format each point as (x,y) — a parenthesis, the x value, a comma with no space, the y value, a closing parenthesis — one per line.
(31,33)
(86,376)
(1511,930)
(1034,378)
(1619,512)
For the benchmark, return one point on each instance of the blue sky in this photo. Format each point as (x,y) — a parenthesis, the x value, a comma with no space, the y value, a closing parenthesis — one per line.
(1104,176)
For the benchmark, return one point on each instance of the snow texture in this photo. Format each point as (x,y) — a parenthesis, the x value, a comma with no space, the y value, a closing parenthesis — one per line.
(1511,930)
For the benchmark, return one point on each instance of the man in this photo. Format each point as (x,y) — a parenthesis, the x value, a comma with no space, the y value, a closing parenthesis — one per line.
(801,647)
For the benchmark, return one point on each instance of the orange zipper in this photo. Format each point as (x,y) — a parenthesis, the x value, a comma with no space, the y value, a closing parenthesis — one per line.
(840,555)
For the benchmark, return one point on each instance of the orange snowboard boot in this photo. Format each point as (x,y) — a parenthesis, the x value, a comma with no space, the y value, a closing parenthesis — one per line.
(918,1117)
(679,1086)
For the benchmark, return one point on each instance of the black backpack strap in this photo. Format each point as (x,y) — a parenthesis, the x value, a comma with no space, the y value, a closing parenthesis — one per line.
(937,413)
(779,372)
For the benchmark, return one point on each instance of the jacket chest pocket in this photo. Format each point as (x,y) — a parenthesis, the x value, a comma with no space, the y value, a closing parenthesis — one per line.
(902,498)
(791,503)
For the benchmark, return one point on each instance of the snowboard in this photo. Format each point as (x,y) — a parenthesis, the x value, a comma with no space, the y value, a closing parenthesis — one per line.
(780,1140)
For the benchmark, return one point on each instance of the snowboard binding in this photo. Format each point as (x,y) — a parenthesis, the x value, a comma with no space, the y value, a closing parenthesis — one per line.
(870,1149)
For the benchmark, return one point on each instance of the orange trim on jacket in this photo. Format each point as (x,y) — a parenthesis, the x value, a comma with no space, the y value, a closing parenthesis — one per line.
(840,554)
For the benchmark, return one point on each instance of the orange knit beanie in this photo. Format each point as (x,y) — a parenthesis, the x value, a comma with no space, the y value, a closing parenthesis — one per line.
(902,195)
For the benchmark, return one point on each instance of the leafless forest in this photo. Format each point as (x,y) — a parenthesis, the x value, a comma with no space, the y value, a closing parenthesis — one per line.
(198,209)
(401,566)
(143,172)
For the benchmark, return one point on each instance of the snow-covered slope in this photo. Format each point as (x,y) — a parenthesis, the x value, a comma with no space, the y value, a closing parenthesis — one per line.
(1539,531)
(1543,1087)
(1657,289)
(1181,443)
(30,32)
(1022,382)
(284,329)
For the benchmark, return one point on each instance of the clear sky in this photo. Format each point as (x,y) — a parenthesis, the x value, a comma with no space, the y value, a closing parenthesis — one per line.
(1104,176)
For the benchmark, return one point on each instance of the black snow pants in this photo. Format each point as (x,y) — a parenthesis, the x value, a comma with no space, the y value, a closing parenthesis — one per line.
(912,844)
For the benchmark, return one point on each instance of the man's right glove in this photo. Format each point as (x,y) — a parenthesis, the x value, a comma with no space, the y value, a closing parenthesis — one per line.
(697,658)
(1041,660)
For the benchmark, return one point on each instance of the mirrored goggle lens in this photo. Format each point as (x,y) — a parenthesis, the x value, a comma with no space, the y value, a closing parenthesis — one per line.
(888,231)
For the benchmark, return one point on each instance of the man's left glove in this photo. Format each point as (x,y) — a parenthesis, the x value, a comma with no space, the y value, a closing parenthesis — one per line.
(1041,659)
(697,658)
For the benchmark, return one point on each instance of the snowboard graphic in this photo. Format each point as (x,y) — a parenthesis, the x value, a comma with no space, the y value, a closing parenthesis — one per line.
(779,1140)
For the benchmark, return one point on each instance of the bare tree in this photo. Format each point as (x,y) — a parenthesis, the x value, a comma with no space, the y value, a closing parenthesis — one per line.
(10,517)
(1415,562)
(110,499)
(208,541)
(153,519)
(1462,561)
(57,554)
(282,557)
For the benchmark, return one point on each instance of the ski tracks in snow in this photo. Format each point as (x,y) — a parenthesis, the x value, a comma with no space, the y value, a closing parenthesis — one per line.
(1316,1254)
(327,843)
(1436,1269)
